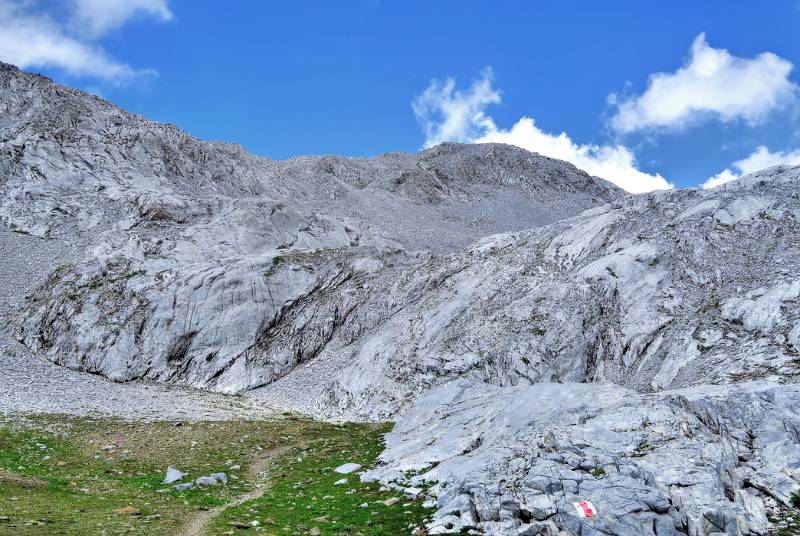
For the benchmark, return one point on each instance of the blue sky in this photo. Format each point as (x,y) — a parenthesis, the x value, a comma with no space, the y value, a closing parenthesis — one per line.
(364,77)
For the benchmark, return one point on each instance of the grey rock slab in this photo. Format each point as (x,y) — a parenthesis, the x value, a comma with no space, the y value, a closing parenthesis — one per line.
(173,475)
(34,385)
(347,468)
(214,479)
(676,455)
(648,292)
(205,257)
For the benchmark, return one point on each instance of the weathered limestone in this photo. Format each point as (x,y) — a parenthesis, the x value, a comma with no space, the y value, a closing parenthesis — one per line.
(641,355)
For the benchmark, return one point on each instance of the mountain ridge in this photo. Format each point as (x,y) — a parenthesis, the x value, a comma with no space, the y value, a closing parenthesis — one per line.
(130,192)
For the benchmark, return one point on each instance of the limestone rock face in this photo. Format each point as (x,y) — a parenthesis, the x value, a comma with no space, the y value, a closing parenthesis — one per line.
(195,254)
(650,292)
(701,460)
(540,338)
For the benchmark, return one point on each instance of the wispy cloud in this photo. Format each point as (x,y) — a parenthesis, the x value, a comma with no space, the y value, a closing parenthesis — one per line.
(759,159)
(712,83)
(98,17)
(446,113)
(30,37)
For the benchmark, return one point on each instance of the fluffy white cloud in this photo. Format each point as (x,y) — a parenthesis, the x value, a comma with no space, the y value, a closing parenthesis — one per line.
(759,159)
(32,38)
(711,83)
(101,16)
(448,114)
(615,163)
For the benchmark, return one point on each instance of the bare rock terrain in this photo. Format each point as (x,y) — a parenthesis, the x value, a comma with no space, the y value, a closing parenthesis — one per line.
(518,459)
(185,243)
(540,338)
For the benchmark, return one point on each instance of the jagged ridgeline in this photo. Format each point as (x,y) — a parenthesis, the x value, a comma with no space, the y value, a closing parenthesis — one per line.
(541,338)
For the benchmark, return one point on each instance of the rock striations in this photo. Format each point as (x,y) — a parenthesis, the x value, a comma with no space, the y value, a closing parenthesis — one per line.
(197,254)
(540,338)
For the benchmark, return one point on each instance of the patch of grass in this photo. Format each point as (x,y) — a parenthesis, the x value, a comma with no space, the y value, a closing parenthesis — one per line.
(642,449)
(103,476)
(303,497)
(313,256)
(100,282)
(276,263)
(75,477)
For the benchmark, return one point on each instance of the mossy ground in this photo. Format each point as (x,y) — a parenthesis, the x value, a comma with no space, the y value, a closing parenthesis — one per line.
(84,476)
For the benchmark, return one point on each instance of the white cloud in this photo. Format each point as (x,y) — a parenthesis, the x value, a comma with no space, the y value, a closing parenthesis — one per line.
(447,114)
(759,159)
(615,163)
(712,83)
(31,38)
(101,16)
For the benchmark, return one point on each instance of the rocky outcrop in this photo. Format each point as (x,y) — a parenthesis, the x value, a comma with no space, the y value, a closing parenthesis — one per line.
(517,460)
(72,163)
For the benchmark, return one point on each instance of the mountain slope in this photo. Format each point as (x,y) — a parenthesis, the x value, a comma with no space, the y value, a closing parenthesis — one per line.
(176,242)
(640,352)
(677,314)
(653,291)
(519,460)
(60,146)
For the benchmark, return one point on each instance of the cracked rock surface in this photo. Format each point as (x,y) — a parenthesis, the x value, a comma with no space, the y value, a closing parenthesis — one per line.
(514,460)
(650,292)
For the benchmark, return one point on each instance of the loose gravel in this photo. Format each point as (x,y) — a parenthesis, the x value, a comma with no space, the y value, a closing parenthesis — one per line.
(31,385)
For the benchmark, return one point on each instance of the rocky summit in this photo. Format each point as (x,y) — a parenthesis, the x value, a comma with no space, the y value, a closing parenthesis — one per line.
(559,357)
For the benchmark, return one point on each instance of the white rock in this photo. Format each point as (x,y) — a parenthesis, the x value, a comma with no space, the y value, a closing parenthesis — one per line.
(214,479)
(173,475)
(347,468)
(412,493)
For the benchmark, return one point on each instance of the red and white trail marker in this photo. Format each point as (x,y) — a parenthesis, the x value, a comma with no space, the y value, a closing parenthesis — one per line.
(585,509)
